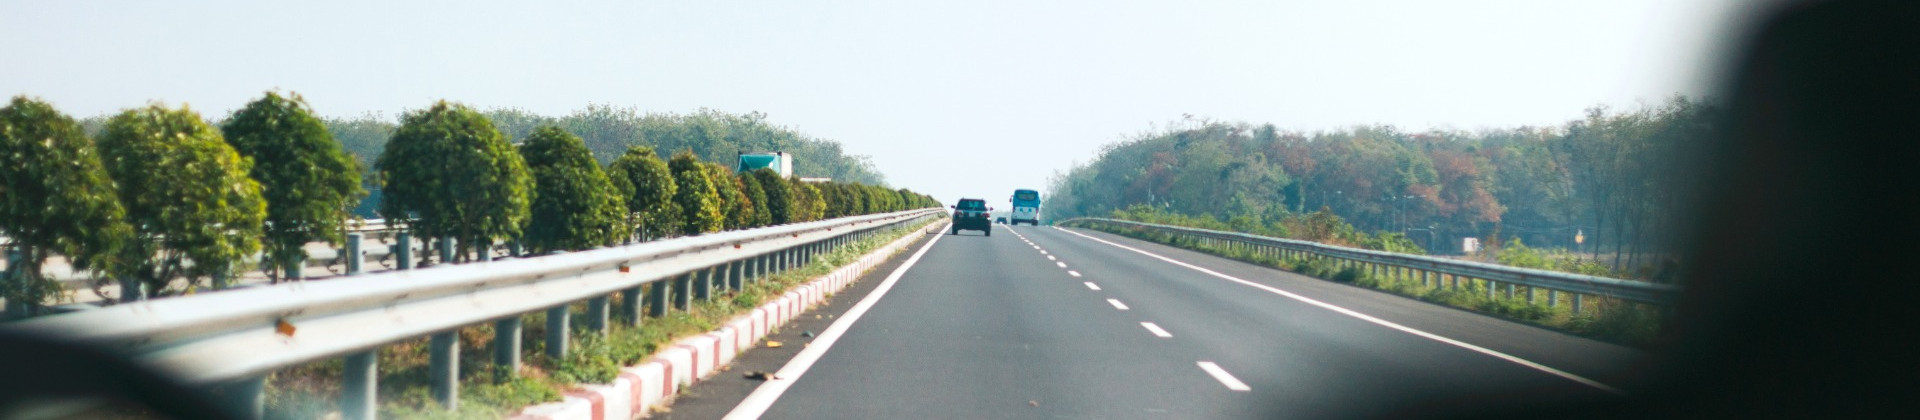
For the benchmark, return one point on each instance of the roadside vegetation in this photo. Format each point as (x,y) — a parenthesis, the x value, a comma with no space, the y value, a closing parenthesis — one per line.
(133,196)
(1607,187)
(310,391)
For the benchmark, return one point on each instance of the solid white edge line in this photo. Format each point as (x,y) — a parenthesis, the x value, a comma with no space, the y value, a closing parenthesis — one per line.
(1369,318)
(769,392)
(1224,377)
(1155,329)
(1117,305)
(1090,285)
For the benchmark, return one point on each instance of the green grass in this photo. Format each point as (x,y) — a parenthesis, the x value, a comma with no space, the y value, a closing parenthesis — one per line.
(1601,318)
(311,390)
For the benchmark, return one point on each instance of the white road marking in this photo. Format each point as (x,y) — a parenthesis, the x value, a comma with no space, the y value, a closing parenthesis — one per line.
(1090,285)
(1043,252)
(763,397)
(1073,273)
(1369,318)
(1224,377)
(1117,305)
(1061,264)
(1051,258)
(1156,330)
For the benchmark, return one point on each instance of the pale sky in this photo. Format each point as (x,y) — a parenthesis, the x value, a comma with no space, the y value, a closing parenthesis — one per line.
(972,98)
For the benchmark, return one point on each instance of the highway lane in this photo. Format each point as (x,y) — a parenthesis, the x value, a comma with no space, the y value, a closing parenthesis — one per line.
(1041,323)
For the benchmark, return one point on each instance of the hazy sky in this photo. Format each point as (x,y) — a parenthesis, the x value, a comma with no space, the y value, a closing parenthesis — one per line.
(971,98)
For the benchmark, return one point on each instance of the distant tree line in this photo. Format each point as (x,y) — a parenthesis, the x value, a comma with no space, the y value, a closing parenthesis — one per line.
(609,131)
(1608,179)
(164,200)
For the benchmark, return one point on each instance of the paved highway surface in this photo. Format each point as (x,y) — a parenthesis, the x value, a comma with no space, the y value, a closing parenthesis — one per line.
(1039,322)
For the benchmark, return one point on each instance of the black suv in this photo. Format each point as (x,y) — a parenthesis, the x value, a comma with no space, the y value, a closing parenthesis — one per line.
(971,214)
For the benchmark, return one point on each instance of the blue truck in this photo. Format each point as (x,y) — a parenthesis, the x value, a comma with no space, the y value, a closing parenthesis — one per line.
(1026,208)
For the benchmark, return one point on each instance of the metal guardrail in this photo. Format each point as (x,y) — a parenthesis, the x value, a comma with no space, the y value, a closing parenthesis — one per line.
(1428,269)
(234,338)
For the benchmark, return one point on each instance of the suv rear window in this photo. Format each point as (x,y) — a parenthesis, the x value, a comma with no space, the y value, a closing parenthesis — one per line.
(973,204)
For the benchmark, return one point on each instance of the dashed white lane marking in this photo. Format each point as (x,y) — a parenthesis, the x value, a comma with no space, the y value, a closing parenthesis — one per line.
(1156,330)
(1224,377)
(1051,258)
(1061,264)
(1043,252)
(1117,305)
(1036,247)
(1090,285)
(1369,318)
(1073,273)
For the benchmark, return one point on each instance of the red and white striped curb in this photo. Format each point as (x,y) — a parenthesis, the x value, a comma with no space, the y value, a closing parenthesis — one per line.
(654,382)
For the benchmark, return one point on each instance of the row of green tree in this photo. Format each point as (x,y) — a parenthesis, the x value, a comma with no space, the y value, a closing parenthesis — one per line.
(1606,186)
(160,197)
(608,132)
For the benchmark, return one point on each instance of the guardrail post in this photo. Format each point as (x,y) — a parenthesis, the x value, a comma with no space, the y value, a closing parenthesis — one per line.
(557,332)
(355,258)
(1510,292)
(703,284)
(630,306)
(1576,303)
(293,270)
(1490,285)
(734,274)
(403,254)
(245,397)
(446,250)
(506,347)
(1530,294)
(358,384)
(657,297)
(443,370)
(682,298)
(597,309)
(1553,298)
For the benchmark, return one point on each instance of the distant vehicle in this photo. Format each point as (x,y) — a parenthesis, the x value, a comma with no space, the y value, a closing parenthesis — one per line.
(1026,207)
(971,214)
(779,162)
(1000,220)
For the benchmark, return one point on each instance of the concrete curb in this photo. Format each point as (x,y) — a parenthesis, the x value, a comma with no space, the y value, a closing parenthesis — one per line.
(654,382)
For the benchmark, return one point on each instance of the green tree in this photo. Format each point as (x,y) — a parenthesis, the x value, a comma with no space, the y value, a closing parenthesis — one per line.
(309,183)
(756,195)
(807,204)
(648,186)
(574,205)
(55,198)
(699,202)
(187,196)
(779,200)
(448,172)
(733,201)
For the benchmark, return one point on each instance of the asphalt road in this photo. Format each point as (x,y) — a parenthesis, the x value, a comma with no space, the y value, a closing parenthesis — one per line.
(1038,322)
